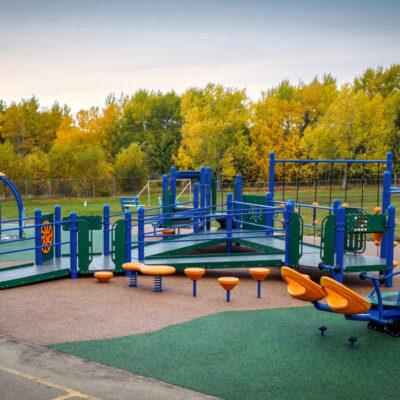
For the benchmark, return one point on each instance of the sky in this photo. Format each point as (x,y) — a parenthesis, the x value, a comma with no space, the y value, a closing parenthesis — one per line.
(79,51)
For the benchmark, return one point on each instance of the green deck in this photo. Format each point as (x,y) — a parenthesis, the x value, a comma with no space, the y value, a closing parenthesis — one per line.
(23,275)
(176,252)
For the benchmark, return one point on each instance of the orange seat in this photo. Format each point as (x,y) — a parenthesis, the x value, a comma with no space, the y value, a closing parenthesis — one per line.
(157,270)
(227,282)
(132,266)
(259,274)
(168,232)
(343,300)
(301,287)
(194,273)
(103,276)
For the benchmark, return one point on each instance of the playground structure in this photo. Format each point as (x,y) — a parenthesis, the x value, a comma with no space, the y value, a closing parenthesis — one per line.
(21,210)
(381,311)
(268,232)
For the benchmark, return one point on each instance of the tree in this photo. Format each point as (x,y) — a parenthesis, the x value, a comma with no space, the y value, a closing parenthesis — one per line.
(37,171)
(153,120)
(130,167)
(214,131)
(354,126)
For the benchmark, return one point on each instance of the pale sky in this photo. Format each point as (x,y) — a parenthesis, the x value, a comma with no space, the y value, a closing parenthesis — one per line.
(78,51)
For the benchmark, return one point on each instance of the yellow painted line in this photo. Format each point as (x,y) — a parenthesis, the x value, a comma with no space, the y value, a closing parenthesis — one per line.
(69,391)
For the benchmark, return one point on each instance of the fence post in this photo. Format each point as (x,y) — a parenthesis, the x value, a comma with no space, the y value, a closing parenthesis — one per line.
(73,232)
(387,183)
(389,244)
(57,229)
(340,234)
(269,216)
(229,223)
(106,231)
(38,237)
(288,211)
(196,207)
(141,234)
(128,235)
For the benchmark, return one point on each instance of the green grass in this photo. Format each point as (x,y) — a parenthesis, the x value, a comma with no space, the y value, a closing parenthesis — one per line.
(268,354)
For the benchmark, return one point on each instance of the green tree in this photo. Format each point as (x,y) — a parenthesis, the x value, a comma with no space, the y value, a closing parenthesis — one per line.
(130,167)
(214,131)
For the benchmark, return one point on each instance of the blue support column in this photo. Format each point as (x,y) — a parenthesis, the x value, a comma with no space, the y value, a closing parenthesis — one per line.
(238,196)
(340,234)
(141,234)
(106,231)
(389,161)
(269,217)
(57,231)
(73,239)
(128,236)
(389,244)
(172,185)
(208,196)
(164,198)
(229,223)
(203,195)
(387,183)
(38,237)
(271,182)
(196,208)
(288,211)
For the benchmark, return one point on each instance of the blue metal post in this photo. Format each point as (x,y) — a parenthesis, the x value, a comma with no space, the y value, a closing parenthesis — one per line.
(203,194)
(389,244)
(228,296)
(196,207)
(229,223)
(164,198)
(73,239)
(259,289)
(38,237)
(269,218)
(57,231)
(289,209)
(128,236)
(106,231)
(238,196)
(208,195)
(340,235)
(194,288)
(141,234)
(271,187)
(389,161)
(172,185)
(386,199)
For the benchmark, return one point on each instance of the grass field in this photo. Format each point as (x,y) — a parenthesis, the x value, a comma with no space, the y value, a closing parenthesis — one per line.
(306,195)
(268,354)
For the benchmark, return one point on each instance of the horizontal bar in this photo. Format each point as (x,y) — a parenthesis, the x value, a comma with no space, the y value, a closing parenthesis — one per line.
(332,161)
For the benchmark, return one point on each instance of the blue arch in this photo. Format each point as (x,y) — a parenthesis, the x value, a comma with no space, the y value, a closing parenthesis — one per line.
(18,199)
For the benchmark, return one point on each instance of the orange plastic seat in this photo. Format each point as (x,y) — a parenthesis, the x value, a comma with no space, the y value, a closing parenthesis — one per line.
(227,282)
(168,232)
(343,300)
(301,287)
(103,276)
(157,270)
(194,273)
(132,266)
(259,274)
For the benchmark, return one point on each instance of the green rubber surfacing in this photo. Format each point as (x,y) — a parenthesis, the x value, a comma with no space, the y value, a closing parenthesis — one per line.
(268,354)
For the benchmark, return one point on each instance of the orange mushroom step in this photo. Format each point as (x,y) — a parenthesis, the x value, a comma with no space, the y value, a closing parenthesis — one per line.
(228,283)
(194,274)
(103,276)
(259,274)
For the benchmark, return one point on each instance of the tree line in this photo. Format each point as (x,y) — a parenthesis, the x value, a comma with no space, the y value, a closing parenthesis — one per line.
(148,132)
